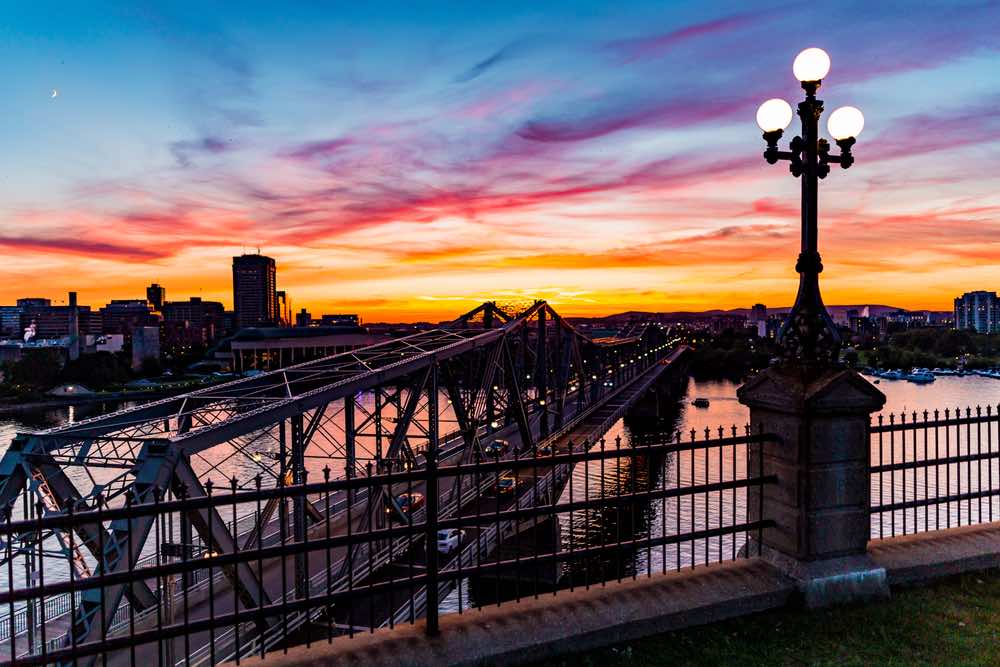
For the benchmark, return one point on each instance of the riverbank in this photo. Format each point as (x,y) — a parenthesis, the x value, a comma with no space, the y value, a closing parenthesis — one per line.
(13,406)
(61,402)
(955,621)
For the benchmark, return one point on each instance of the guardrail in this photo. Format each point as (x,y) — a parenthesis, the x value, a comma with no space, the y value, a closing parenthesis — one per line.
(577,514)
(934,470)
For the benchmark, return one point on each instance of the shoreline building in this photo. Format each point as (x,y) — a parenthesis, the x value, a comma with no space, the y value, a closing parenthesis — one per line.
(268,348)
(979,311)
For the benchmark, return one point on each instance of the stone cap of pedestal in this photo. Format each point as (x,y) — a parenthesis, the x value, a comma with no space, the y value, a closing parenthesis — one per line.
(833,392)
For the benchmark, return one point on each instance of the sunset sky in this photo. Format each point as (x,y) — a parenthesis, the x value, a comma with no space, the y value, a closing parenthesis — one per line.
(408,160)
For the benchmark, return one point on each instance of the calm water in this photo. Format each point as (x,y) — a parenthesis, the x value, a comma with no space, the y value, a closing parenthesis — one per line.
(724,410)
(901,396)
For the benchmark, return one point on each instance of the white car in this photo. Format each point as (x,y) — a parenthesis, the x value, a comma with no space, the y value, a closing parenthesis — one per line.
(449,539)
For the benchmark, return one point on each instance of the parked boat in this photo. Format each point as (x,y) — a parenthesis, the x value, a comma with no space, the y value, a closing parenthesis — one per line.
(700,403)
(922,377)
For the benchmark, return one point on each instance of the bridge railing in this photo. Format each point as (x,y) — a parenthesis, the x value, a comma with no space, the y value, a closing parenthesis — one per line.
(934,470)
(483,532)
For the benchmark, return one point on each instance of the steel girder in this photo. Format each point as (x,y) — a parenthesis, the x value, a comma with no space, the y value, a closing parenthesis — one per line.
(381,407)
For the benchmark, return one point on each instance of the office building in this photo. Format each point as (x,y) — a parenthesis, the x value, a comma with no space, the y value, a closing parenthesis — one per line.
(156,295)
(123,316)
(191,323)
(56,321)
(255,299)
(10,321)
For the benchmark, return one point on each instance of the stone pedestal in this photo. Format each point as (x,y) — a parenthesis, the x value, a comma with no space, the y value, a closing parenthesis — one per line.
(820,459)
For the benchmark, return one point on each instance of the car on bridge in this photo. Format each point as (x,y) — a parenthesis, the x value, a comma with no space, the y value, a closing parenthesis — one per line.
(408,503)
(497,448)
(448,539)
(545,450)
(507,484)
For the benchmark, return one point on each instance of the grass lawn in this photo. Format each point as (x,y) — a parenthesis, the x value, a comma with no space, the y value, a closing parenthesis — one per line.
(953,622)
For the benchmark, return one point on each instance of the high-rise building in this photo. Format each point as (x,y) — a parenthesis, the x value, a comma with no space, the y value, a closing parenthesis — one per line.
(156,295)
(303,318)
(758,313)
(979,311)
(255,298)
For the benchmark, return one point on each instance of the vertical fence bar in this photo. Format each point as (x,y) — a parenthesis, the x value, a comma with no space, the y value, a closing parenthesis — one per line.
(989,462)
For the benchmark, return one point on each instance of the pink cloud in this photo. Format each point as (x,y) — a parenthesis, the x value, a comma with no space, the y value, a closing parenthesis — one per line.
(96,249)
(657,45)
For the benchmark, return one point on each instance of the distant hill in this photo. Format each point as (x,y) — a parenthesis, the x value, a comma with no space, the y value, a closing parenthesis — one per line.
(839,312)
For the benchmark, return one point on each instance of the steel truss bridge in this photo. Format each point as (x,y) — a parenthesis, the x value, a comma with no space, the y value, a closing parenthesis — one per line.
(453,391)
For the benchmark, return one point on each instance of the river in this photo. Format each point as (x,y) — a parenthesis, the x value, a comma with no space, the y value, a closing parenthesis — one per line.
(657,518)
(724,410)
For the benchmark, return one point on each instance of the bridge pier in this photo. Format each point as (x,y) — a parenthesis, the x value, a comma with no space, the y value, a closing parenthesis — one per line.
(660,401)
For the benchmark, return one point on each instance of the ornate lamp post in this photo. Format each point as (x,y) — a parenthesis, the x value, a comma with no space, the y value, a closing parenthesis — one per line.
(818,413)
(809,337)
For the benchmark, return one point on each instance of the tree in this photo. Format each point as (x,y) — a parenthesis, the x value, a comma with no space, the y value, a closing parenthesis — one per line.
(36,370)
(150,367)
(97,371)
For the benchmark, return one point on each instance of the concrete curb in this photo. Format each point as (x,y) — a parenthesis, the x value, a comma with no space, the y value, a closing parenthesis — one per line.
(554,625)
(571,621)
(922,557)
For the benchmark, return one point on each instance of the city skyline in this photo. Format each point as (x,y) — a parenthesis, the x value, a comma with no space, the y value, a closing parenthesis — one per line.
(418,162)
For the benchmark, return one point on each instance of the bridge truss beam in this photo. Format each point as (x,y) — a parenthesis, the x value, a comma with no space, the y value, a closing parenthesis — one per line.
(449,390)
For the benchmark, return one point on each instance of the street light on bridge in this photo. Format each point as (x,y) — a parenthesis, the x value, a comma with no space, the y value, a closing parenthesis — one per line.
(809,336)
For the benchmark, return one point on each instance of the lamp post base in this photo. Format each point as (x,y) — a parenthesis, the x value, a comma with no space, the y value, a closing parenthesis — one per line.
(819,456)
(832,581)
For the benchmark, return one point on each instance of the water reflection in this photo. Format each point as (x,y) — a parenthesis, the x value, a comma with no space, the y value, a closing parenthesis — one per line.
(662,519)
(614,524)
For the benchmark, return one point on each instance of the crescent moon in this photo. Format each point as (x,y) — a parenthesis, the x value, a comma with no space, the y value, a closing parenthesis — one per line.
(55,94)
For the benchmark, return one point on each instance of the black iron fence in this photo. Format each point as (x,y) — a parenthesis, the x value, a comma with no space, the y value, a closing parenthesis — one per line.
(934,470)
(415,543)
